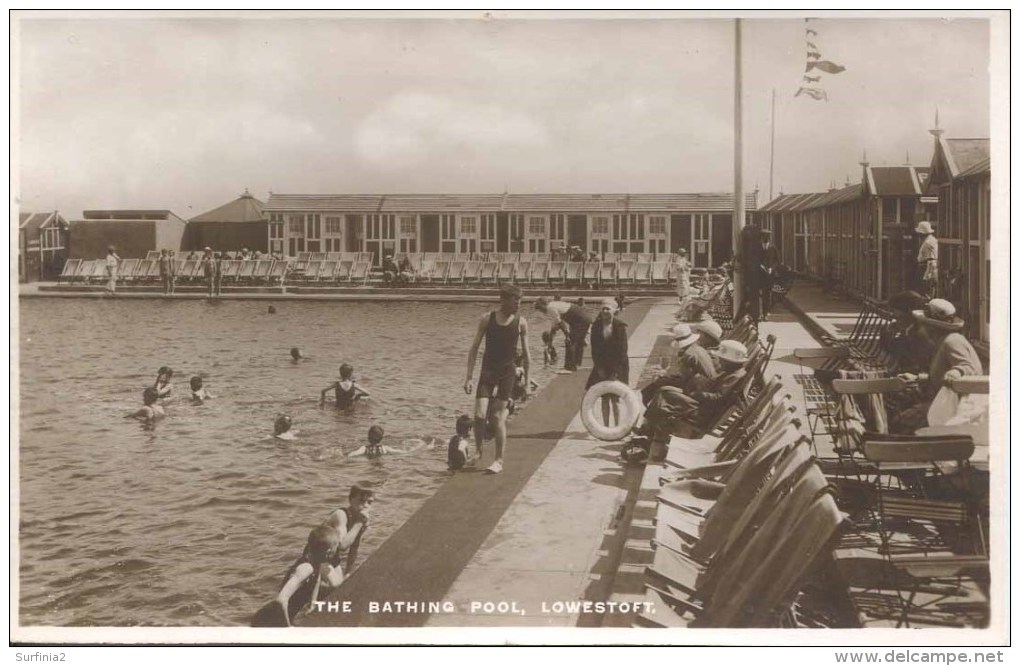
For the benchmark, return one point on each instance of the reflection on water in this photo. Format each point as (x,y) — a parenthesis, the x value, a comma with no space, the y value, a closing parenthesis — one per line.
(194,521)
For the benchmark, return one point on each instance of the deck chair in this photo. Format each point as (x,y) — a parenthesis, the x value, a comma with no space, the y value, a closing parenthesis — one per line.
(151,270)
(97,271)
(279,271)
(246,270)
(151,254)
(611,256)
(523,271)
(488,272)
(591,272)
(494,256)
(428,266)
(230,268)
(71,267)
(557,271)
(311,271)
(456,273)
(660,272)
(609,274)
(624,272)
(505,272)
(539,272)
(328,270)
(439,272)
(641,274)
(301,263)
(360,272)
(318,256)
(645,258)
(572,272)
(541,256)
(343,270)
(262,270)
(472,271)
(128,269)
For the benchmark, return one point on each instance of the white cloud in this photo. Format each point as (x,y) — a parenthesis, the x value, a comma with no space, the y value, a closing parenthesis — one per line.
(412,126)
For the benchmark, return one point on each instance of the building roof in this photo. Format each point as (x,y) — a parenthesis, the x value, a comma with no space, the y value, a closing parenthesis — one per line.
(896,180)
(978,168)
(129,215)
(962,154)
(785,203)
(482,203)
(245,208)
(32,222)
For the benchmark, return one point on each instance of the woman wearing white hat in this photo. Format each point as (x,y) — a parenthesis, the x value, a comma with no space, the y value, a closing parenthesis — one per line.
(927,258)
(954,357)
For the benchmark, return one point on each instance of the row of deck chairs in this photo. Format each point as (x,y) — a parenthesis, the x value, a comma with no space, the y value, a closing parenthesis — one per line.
(187,270)
(332,271)
(416,258)
(461,271)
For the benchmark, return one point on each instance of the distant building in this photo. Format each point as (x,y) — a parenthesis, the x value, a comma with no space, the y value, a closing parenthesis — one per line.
(235,225)
(133,232)
(42,245)
(961,178)
(531,223)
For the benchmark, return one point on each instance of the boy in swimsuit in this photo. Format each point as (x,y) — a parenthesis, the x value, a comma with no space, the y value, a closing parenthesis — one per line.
(283,428)
(347,390)
(350,523)
(304,577)
(198,393)
(457,451)
(374,448)
(149,411)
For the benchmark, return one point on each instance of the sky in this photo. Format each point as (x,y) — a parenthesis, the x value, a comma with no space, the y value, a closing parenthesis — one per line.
(185,114)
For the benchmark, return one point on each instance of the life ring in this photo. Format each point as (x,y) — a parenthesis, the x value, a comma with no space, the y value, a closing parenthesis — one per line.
(630,410)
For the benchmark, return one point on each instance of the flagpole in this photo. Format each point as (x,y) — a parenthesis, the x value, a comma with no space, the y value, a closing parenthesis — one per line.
(772,146)
(738,171)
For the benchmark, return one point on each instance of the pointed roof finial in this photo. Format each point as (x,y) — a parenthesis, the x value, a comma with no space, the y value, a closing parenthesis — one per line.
(847,184)
(937,132)
(864,158)
(908,156)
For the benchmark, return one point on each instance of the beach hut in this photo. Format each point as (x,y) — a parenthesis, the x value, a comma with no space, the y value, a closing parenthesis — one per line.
(42,245)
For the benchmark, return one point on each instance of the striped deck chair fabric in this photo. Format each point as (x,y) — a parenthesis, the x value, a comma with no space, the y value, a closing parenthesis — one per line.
(456,272)
(572,272)
(556,271)
(539,272)
(334,256)
(625,273)
(592,270)
(151,270)
(660,272)
(311,271)
(98,270)
(262,269)
(610,273)
(318,256)
(128,269)
(230,268)
(152,254)
(246,270)
(428,265)
(494,256)
(647,257)
(642,273)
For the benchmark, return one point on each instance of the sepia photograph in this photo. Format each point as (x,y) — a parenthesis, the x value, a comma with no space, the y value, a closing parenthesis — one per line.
(487,327)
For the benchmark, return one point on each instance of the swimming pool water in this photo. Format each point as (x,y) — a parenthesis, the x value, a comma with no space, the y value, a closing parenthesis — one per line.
(194,522)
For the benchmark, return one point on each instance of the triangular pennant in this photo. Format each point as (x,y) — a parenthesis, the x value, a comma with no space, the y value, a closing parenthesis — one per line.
(813,93)
(826,66)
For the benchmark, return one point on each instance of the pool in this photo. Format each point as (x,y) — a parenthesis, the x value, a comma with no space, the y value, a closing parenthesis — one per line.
(194,522)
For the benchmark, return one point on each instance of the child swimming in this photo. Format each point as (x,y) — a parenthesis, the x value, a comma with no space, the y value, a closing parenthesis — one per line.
(458,450)
(376,449)
(149,411)
(283,428)
(295,355)
(303,579)
(198,393)
(347,390)
(162,385)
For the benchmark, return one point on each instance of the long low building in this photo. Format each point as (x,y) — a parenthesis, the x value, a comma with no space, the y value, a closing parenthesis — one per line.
(535,223)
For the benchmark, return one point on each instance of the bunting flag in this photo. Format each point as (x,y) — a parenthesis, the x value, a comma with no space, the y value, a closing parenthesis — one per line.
(811,86)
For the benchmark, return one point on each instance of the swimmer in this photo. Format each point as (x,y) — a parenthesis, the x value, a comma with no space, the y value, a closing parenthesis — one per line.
(458,450)
(149,411)
(283,428)
(162,385)
(272,309)
(376,449)
(304,577)
(198,393)
(347,390)
(295,355)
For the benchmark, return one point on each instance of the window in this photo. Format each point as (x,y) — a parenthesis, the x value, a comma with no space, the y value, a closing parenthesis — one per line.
(468,226)
(276,217)
(657,225)
(408,225)
(276,230)
(489,231)
(334,226)
(600,225)
(297,224)
(556,230)
(536,225)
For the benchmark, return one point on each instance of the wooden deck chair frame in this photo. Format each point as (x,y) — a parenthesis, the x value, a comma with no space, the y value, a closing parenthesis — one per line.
(573,272)
(455,274)
(439,272)
(262,269)
(555,274)
(71,268)
(472,270)
(128,269)
(279,271)
(487,274)
(328,270)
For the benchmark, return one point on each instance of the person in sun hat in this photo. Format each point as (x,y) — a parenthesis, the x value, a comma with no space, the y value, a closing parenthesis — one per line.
(112,264)
(954,357)
(689,359)
(927,258)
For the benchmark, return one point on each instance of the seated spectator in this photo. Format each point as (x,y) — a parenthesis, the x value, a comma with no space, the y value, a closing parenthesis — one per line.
(910,350)
(407,273)
(390,269)
(691,343)
(954,357)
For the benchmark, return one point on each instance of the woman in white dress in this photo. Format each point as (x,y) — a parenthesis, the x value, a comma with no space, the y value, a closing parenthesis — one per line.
(683,275)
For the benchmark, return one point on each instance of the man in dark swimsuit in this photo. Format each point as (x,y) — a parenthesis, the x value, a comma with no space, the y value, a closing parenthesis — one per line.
(501,329)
